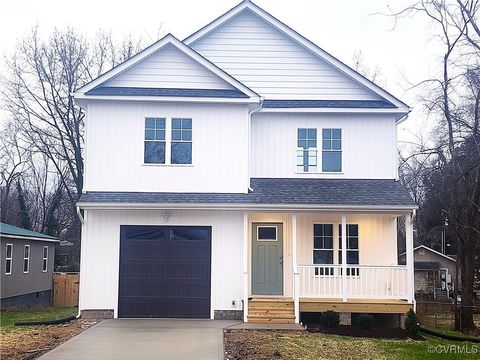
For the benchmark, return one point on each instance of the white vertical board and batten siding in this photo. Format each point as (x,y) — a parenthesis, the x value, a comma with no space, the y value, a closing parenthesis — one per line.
(116,148)
(168,68)
(368,151)
(274,65)
(101,253)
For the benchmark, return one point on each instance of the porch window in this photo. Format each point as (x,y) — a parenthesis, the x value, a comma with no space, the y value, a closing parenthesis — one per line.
(154,151)
(331,150)
(307,150)
(181,141)
(323,247)
(352,247)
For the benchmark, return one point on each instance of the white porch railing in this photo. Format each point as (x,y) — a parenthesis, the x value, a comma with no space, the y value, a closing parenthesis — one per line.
(361,282)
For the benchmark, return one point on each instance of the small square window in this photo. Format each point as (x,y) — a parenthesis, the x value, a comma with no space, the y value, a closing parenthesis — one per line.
(267,233)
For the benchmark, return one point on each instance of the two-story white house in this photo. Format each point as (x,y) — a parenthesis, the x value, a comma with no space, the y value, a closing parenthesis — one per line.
(225,173)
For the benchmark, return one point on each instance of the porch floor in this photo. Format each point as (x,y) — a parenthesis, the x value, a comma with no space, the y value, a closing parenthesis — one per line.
(374,306)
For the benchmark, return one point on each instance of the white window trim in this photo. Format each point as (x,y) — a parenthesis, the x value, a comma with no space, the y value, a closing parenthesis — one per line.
(334,235)
(179,141)
(168,142)
(271,227)
(26,258)
(45,259)
(8,259)
(319,153)
(340,151)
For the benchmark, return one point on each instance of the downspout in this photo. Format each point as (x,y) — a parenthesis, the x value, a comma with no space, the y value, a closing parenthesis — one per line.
(414,214)
(80,216)
(398,122)
(82,221)
(249,136)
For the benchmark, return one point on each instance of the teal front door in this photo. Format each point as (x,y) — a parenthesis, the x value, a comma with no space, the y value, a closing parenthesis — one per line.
(267,259)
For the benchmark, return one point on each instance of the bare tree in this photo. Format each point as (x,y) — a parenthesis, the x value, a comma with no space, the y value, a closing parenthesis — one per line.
(43,151)
(453,99)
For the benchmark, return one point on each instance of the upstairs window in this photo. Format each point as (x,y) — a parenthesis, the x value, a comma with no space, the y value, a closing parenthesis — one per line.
(8,259)
(154,152)
(332,150)
(307,150)
(26,258)
(181,141)
(45,259)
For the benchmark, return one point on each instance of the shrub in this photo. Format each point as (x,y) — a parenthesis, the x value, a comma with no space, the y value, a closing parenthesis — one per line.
(366,321)
(411,324)
(330,319)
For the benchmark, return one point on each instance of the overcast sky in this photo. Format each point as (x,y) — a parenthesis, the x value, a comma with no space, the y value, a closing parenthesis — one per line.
(404,54)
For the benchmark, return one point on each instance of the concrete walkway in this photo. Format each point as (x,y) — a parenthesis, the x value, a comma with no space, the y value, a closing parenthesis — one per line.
(146,339)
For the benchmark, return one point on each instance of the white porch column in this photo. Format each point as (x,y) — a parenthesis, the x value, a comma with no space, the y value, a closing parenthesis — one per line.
(245,266)
(344,258)
(296,274)
(409,257)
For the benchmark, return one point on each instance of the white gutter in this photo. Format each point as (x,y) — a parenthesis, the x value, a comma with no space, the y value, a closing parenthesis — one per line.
(28,237)
(237,206)
(249,136)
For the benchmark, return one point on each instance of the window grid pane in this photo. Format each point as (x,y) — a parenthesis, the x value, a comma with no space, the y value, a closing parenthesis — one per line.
(181,146)
(154,147)
(322,244)
(306,150)
(331,150)
(353,251)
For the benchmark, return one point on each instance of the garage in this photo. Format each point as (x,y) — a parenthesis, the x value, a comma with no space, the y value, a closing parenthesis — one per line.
(164,271)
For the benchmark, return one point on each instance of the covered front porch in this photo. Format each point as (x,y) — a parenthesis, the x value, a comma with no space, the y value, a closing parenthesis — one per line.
(293,263)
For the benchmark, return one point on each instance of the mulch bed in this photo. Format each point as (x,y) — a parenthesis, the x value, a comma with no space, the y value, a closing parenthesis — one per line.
(355,331)
(24,343)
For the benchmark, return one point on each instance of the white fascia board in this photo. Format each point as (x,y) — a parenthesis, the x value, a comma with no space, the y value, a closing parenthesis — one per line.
(303,42)
(253,207)
(28,238)
(335,110)
(81,98)
(168,39)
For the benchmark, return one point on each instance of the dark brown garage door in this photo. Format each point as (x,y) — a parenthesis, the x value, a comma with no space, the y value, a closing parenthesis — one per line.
(165,271)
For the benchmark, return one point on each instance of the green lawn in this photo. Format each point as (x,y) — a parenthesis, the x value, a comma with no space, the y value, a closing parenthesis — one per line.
(432,348)
(8,318)
(301,345)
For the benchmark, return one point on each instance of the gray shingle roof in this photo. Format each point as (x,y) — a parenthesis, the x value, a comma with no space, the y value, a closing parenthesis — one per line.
(278,191)
(350,104)
(136,91)
(7,229)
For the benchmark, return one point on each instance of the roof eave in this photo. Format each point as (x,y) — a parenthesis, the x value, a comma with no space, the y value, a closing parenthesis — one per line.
(20,237)
(249,206)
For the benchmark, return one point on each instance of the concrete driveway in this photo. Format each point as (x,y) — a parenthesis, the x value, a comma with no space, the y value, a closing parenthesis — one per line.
(146,339)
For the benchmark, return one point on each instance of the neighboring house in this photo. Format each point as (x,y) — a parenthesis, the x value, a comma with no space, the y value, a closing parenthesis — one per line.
(235,165)
(435,273)
(27,267)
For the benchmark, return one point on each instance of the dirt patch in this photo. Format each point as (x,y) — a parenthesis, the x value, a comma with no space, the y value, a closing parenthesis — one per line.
(277,344)
(31,342)
(355,331)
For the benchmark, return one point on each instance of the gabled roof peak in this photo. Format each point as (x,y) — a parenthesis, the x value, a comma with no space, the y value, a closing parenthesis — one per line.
(167,40)
(248,5)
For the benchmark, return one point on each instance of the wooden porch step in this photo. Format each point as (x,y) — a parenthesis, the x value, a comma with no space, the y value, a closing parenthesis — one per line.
(271,310)
(265,319)
(253,305)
